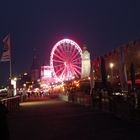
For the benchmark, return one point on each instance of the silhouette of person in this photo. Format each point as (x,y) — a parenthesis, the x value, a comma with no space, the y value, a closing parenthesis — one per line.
(4,132)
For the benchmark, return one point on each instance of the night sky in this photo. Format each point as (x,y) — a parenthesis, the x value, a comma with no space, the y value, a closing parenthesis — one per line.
(100,24)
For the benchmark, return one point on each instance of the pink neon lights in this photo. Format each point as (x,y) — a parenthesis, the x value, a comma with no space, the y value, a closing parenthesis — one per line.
(65,60)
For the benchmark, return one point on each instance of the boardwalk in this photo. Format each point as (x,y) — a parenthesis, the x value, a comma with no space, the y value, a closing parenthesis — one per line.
(58,120)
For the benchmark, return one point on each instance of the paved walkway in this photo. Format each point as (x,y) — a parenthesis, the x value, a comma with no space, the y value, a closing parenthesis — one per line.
(58,120)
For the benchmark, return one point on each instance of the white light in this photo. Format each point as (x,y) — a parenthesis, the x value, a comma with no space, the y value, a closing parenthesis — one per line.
(24,85)
(13,82)
(111,65)
(15,79)
(25,73)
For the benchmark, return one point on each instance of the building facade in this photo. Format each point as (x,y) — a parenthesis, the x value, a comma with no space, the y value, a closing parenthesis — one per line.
(118,64)
(86,63)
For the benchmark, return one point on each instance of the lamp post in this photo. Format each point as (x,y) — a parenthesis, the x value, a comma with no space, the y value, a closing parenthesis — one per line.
(111,65)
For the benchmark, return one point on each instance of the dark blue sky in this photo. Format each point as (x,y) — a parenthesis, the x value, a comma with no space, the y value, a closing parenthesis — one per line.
(101,24)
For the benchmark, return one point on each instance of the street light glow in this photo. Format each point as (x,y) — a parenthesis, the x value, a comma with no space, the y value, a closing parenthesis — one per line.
(111,68)
(111,65)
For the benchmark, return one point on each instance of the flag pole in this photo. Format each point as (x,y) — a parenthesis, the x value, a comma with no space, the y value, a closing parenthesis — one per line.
(92,82)
(11,89)
(10,68)
(10,71)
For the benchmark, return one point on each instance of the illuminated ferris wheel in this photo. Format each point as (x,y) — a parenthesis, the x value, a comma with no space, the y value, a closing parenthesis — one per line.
(65,60)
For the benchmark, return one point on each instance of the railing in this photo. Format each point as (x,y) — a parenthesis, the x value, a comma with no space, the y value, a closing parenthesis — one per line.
(126,107)
(11,103)
(82,99)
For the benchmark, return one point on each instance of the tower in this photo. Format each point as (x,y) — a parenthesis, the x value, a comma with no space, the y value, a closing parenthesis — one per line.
(35,70)
(86,65)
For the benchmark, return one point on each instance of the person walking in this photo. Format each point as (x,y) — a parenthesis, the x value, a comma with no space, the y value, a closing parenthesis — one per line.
(4,132)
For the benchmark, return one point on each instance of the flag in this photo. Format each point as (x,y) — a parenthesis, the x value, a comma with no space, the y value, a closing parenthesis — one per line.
(103,72)
(92,81)
(123,73)
(6,50)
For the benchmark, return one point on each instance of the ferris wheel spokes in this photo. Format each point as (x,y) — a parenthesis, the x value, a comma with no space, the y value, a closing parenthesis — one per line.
(61,58)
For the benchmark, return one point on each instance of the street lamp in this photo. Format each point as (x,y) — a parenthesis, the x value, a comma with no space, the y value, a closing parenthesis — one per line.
(111,65)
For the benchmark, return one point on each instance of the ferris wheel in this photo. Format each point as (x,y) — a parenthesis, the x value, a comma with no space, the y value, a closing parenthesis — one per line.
(65,60)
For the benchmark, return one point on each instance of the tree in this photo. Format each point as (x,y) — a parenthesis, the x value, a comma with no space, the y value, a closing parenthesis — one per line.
(132,75)
(103,72)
